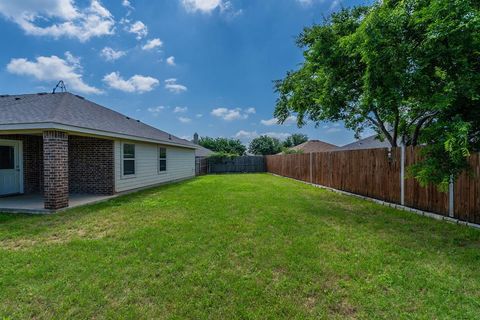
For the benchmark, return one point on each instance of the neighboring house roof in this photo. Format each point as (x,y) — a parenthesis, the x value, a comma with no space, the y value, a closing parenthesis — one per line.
(368,143)
(202,151)
(74,113)
(312,146)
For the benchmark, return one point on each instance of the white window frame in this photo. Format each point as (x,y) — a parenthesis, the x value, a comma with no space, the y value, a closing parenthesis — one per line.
(129,176)
(158,160)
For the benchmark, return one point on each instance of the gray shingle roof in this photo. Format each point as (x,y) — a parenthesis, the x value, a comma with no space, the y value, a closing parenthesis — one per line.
(368,143)
(72,110)
(312,146)
(202,151)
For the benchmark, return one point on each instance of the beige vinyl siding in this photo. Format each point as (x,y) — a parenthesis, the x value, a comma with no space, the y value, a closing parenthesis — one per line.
(180,165)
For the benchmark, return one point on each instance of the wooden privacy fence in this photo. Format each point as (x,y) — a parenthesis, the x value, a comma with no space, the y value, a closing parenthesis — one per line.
(243,164)
(378,173)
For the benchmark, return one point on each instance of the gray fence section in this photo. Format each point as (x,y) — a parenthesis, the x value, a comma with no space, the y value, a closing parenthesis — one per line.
(243,164)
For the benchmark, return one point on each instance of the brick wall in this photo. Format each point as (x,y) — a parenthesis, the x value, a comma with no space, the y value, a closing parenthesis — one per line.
(91,165)
(32,161)
(55,169)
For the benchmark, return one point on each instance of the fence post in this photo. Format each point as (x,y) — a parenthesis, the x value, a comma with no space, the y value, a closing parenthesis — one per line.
(402,175)
(451,198)
(311,169)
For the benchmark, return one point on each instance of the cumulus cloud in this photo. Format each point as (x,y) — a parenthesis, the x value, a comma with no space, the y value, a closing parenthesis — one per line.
(274,121)
(171,61)
(58,18)
(333,3)
(172,86)
(246,136)
(208,6)
(180,109)
(155,111)
(127,4)
(139,29)
(184,119)
(54,68)
(110,54)
(152,44)
(232,114)
(136,83)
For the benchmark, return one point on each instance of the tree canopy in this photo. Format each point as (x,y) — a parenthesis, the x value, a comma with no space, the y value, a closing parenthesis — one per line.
(408,69)
(223,145)
(265,145)
(295,139)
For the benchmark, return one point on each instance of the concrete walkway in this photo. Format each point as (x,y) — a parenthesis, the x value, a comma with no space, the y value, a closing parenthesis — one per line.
(33,203)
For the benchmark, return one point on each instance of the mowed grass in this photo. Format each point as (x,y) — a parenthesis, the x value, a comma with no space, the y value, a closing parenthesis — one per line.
(237,247)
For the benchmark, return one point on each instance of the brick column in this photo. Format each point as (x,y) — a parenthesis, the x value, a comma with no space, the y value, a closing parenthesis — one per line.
(55,169)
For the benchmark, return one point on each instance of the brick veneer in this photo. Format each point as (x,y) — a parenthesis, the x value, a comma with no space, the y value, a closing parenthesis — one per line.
(32,161)
(91,165)
(55,169)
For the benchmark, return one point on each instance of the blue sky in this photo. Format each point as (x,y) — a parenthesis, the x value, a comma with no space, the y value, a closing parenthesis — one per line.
(183,66)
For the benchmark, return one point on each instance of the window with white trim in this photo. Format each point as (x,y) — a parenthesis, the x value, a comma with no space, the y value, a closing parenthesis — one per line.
(128,155)
(162,159)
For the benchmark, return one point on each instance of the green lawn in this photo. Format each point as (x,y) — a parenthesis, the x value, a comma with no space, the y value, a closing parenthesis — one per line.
(237,247)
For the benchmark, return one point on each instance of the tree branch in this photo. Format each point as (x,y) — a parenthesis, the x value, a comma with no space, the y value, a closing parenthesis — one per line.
(384,130)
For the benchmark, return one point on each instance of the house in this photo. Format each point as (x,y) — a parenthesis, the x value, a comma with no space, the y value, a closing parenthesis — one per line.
(60,144)
(200,152)
(371,142)
(313,146)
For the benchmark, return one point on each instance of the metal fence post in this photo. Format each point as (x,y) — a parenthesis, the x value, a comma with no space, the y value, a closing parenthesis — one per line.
(451,198)
(402,175)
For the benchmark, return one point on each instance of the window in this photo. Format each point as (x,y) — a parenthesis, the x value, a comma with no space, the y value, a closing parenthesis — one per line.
(128,159)
(162,159)
(7,157)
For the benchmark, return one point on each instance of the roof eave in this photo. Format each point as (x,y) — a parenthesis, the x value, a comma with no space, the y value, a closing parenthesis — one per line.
(101,133)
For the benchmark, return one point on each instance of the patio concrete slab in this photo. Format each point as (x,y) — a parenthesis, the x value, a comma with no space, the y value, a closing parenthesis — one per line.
(33,203)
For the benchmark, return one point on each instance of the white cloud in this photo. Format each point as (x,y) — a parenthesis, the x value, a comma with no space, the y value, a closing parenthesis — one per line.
(199,115)
(184,119)
(137,83)
(171,61)
(127,4)
(110,54)
(138,28)
(172,86)
(202,5)
(232,114)
(180,109)
(246,136)
(152,44)
(274,121)
(59,18)
(54,68)
(306,3)
(155,111)
(278,135)
(208,6)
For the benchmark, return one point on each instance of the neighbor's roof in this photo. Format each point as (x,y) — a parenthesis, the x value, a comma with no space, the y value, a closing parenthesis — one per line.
(202,151)
(76,114)
(312,146)
(368,143)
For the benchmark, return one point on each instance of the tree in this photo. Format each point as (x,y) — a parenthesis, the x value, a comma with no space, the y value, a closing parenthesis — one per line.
(407,69)
(265,145)
(223,145)
(295,139)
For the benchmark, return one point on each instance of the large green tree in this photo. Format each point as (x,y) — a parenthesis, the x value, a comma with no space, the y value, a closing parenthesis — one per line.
(295,139)
(223,145)
(409,69)
(265,145)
